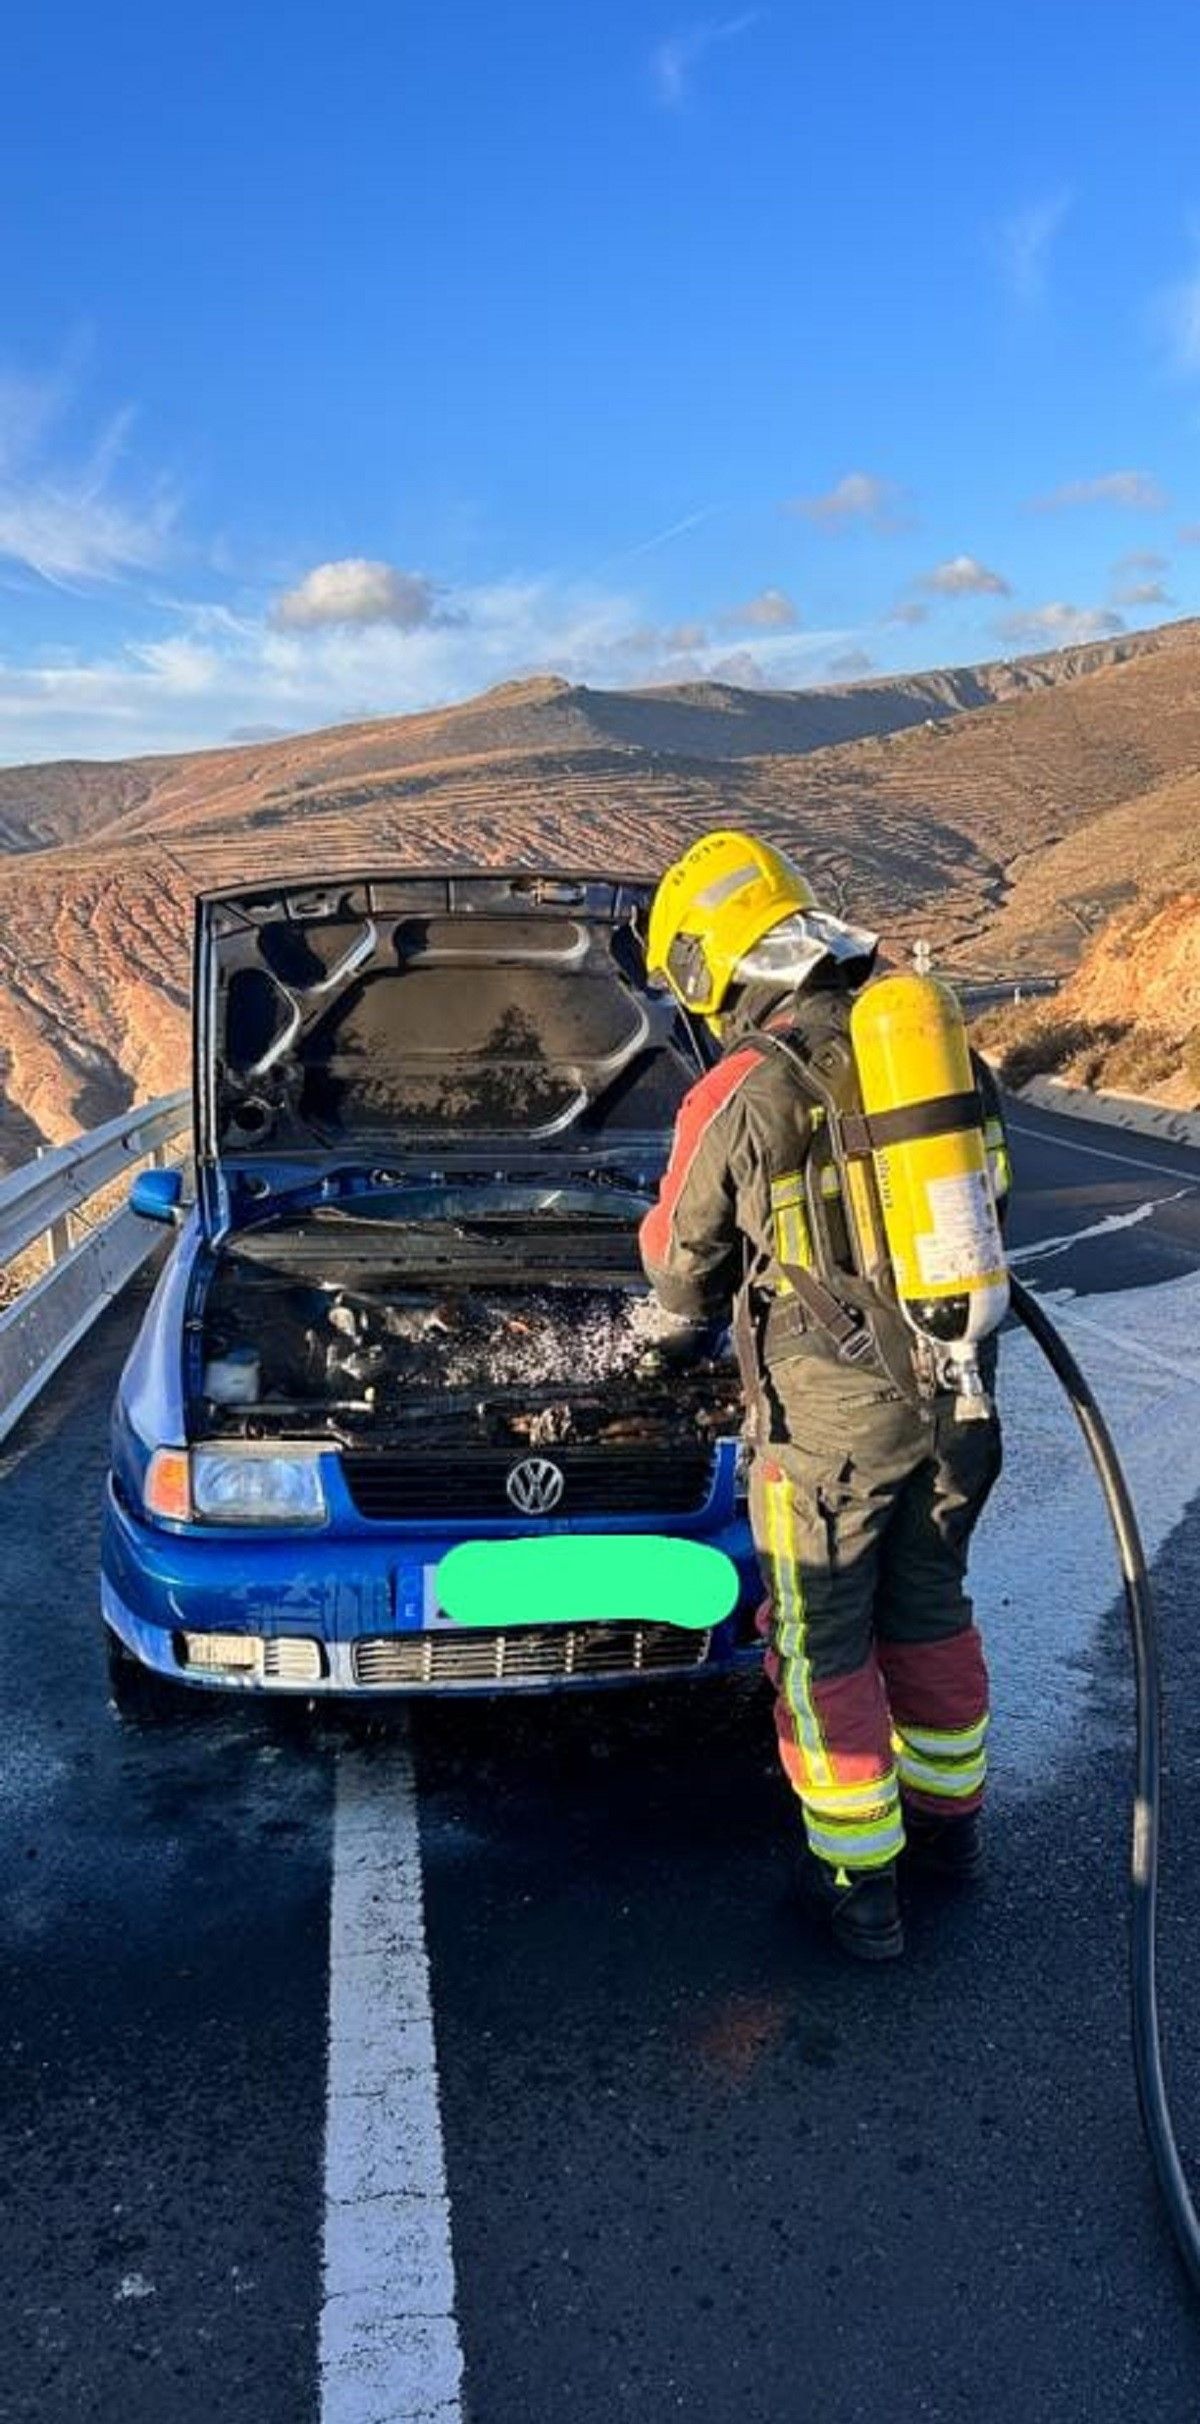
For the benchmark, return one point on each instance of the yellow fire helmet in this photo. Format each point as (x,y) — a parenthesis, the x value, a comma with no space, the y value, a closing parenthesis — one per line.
(735,909)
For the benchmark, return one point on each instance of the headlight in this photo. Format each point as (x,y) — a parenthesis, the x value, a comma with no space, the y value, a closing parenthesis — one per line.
(233,1487)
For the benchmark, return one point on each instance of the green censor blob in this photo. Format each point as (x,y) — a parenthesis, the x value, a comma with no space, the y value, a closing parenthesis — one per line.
(587,1578)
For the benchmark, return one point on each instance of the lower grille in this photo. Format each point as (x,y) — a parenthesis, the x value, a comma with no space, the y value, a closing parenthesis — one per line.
(292,1661)
(645,1480)
(545,1653)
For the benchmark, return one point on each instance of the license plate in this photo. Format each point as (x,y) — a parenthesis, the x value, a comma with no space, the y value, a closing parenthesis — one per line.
(587,1578)
(433,1615)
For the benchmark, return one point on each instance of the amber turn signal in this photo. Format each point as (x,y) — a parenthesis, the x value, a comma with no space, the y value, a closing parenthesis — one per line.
(167,1491)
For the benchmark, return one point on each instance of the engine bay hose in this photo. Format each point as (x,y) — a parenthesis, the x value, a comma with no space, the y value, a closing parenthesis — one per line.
(1143,1927)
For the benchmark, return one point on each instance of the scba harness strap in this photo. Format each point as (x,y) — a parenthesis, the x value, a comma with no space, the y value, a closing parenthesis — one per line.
(854,1312)
(943,1115)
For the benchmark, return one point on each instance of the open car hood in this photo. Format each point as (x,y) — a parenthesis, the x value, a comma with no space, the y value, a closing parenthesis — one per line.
(491,1020)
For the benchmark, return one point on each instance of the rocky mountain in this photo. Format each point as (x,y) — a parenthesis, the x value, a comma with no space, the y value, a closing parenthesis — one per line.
(1004,810)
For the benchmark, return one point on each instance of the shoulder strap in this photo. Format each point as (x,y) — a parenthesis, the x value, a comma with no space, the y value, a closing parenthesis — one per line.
(847,1327)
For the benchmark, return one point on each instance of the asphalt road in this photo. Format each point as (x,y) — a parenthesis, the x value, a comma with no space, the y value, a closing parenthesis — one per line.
(696,2167)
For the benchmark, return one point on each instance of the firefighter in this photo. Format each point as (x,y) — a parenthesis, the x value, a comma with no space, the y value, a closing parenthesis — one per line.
(864,1489)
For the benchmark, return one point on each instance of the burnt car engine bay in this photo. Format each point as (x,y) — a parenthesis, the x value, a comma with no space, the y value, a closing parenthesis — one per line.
(438,1351)
(432,1108)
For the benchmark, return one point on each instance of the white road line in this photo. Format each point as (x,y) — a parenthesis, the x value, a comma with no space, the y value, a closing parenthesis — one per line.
(1045,1246)
(1075,1144)
(390,2349)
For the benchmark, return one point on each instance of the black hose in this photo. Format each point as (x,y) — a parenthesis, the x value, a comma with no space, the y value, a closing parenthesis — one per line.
(1147,2045)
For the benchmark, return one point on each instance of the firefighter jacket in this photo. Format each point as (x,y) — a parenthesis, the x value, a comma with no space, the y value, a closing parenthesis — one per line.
(730,1215)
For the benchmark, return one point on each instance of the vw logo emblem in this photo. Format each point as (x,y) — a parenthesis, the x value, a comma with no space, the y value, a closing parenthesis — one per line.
(535,1486)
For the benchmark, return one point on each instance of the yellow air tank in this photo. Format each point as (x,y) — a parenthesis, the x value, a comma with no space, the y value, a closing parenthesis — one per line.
(931,1168)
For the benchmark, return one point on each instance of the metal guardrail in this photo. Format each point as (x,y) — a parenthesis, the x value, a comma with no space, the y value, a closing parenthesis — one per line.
(983,992)
(46,1321)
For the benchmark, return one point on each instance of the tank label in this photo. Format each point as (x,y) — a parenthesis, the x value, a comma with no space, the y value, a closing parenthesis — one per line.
(964,1242)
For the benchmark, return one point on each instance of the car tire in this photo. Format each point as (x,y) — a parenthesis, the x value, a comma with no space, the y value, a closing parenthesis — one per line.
(136,1691)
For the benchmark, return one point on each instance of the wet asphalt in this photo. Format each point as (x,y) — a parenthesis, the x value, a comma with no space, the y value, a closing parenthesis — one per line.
(697,2166)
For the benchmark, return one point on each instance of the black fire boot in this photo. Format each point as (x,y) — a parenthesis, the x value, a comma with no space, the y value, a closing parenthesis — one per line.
(946,1847)
(863,1909)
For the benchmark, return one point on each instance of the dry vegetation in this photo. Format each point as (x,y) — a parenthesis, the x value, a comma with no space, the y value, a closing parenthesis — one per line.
(1129,1017)
(1004,811)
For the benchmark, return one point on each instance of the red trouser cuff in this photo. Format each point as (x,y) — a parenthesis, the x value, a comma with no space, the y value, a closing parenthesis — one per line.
(940,1685)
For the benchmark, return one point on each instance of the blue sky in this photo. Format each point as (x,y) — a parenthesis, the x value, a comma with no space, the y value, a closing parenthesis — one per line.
(353,358)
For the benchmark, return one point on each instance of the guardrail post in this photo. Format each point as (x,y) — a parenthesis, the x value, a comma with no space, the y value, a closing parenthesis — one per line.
(58,1241)
(58,1235)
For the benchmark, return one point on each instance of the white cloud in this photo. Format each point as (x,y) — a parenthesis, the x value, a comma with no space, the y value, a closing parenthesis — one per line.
(1140,593)
(907,611)
(1189,536)
(859,497)
(27,408)
(1059,625)
(1177,313)
(771,610)
(851,665)
(742,669)
(673,62)
(357,589)
(1145,560)
(963,576)
(1023,242)
(184,666)
(1138,490)
(215,672)
(72,522)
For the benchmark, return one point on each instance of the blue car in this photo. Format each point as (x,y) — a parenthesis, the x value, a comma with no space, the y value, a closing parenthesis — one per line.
(406,1309)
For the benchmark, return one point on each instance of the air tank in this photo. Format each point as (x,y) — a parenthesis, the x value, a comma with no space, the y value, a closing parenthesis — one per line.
(931,1170)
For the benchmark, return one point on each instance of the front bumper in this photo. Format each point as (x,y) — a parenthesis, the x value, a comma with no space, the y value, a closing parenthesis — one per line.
(368,1605)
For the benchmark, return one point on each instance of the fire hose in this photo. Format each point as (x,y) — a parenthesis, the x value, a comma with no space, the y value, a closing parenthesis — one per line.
(1153,2100)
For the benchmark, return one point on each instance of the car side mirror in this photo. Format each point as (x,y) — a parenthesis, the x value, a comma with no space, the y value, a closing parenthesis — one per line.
(155,1195)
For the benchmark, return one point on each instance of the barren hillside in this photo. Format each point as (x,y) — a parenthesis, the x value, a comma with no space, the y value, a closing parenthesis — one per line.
(1127,1019)
(1004,810)
(76,801)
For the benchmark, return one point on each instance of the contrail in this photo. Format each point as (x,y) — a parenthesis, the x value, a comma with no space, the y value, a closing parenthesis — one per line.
(660,538)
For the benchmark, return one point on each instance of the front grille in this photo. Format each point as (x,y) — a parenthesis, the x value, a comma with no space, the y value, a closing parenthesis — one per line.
(624,1480)
(546,1653)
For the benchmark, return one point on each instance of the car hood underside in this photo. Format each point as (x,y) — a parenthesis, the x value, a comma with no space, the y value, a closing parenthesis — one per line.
(411,1017)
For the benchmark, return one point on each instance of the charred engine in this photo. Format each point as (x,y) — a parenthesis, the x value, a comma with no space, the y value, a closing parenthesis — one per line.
(376,1358)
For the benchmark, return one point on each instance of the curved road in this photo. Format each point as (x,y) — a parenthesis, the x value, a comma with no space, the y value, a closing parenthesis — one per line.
(688,2164)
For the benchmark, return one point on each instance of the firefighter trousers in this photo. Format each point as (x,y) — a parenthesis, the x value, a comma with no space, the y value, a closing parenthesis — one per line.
(862,1516)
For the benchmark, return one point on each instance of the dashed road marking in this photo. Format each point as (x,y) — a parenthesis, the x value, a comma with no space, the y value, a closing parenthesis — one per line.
(390,2350)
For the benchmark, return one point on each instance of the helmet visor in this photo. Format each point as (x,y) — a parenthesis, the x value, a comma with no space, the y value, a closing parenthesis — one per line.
(789,952)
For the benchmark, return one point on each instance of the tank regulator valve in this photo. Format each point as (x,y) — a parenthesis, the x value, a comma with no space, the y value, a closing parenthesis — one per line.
(972,1402)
